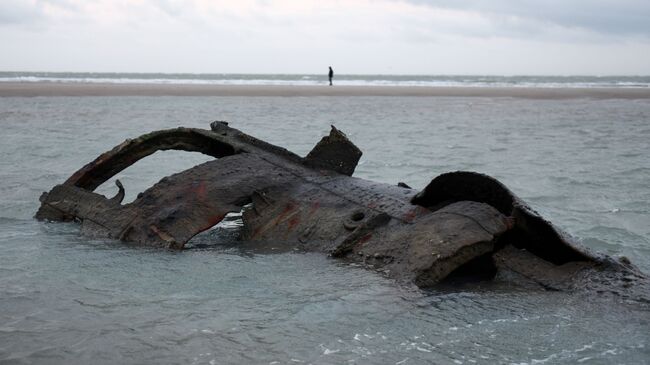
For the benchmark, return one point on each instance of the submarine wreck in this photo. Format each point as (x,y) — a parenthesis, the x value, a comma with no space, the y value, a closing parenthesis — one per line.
(461,225)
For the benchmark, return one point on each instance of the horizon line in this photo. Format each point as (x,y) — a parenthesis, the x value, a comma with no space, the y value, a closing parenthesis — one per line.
(319,73)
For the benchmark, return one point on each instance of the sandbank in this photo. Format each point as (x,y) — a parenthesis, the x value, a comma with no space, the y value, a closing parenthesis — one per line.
(30,89)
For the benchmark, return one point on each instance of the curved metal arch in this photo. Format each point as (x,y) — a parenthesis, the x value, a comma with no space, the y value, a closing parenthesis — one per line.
(131,151)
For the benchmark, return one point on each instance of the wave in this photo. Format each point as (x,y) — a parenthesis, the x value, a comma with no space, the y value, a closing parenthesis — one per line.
(345,80)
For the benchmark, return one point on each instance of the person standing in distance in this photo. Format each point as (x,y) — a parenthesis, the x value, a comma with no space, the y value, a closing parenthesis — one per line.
(331,74)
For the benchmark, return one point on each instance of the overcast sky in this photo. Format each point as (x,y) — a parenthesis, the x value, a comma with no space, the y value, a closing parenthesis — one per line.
(502,37)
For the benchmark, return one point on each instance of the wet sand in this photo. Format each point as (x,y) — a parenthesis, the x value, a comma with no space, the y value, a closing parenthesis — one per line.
(27,89)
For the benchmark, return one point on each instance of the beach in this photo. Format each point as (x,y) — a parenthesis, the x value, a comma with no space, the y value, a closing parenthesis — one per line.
(28,89)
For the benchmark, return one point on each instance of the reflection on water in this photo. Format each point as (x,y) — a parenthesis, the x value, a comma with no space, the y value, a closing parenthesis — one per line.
(70,299)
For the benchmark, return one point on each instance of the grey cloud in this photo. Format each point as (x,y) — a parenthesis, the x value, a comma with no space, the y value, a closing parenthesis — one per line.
(19,12)
(611,17)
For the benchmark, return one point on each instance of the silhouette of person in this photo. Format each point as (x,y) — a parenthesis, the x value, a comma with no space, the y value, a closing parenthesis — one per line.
(331,74)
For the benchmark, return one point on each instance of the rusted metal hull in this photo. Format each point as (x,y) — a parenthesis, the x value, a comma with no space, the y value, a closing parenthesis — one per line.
(461,224)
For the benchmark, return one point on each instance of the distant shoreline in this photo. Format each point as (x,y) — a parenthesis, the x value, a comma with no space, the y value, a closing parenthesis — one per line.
(33,89)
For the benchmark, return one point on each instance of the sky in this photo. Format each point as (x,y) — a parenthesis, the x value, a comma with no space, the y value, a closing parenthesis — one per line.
(434,37)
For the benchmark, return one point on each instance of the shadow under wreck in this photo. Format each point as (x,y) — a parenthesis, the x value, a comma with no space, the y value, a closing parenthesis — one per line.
(462,226)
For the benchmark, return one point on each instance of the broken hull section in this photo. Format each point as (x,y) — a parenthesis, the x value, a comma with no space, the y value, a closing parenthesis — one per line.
(462,223)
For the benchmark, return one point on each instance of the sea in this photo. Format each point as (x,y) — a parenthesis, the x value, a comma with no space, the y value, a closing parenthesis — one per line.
(583,164)
(340,79)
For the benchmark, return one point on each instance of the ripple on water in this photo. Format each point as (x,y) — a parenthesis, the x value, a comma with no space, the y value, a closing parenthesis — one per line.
(70,299)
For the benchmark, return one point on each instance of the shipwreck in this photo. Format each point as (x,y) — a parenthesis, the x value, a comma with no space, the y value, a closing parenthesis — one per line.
(463,225)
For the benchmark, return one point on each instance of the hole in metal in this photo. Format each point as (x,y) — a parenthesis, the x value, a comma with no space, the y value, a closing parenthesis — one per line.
(357,216)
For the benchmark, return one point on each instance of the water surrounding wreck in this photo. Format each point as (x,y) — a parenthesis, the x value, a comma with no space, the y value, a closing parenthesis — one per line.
(66,299)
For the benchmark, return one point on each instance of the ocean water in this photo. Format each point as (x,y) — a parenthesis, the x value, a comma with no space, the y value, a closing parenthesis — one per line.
(67,299)
(339,79)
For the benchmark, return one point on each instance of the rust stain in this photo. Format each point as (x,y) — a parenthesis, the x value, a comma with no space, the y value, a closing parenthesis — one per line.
(162,234)
(293,222)
(201,191)
(409,216)
(314,207)
(211,221)
(256,232)
(365,238)
(414,213)
(285,213)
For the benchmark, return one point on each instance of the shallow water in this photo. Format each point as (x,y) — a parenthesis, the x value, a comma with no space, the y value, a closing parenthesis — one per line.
(583,164)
